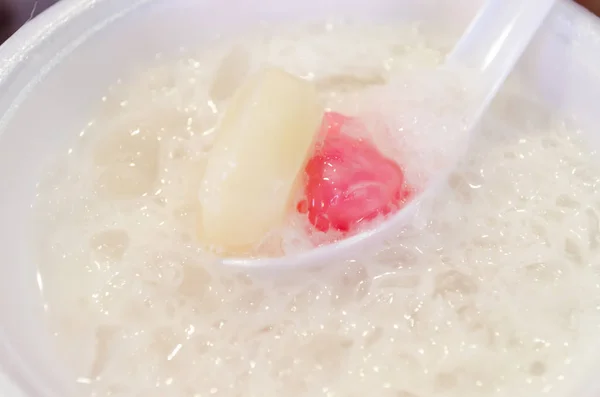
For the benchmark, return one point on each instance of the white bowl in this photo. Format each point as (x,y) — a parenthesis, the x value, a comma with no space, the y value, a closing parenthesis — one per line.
(55,68)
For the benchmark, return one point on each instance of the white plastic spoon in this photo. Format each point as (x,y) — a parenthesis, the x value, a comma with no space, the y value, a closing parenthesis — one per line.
(489,50)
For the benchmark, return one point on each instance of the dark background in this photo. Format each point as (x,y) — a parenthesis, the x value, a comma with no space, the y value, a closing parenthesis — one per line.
(14,13)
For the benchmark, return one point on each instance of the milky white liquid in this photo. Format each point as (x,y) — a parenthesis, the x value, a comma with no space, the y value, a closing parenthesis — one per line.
(495,290)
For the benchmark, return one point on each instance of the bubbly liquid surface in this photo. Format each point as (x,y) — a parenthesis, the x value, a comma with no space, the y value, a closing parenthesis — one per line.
(495,289)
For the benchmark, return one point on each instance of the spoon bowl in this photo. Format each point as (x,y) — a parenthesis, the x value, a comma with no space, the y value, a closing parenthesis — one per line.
(487,52)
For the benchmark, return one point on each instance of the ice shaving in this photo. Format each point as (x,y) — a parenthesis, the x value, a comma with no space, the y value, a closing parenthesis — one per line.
(493,290)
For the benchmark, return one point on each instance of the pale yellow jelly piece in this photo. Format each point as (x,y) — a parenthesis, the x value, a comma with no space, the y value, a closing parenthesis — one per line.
(262,143)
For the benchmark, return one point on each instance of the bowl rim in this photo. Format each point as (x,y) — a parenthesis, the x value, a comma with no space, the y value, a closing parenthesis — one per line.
(26,39)
(23,44)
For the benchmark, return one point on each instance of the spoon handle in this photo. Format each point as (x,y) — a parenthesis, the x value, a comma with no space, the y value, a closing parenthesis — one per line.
(494,42)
